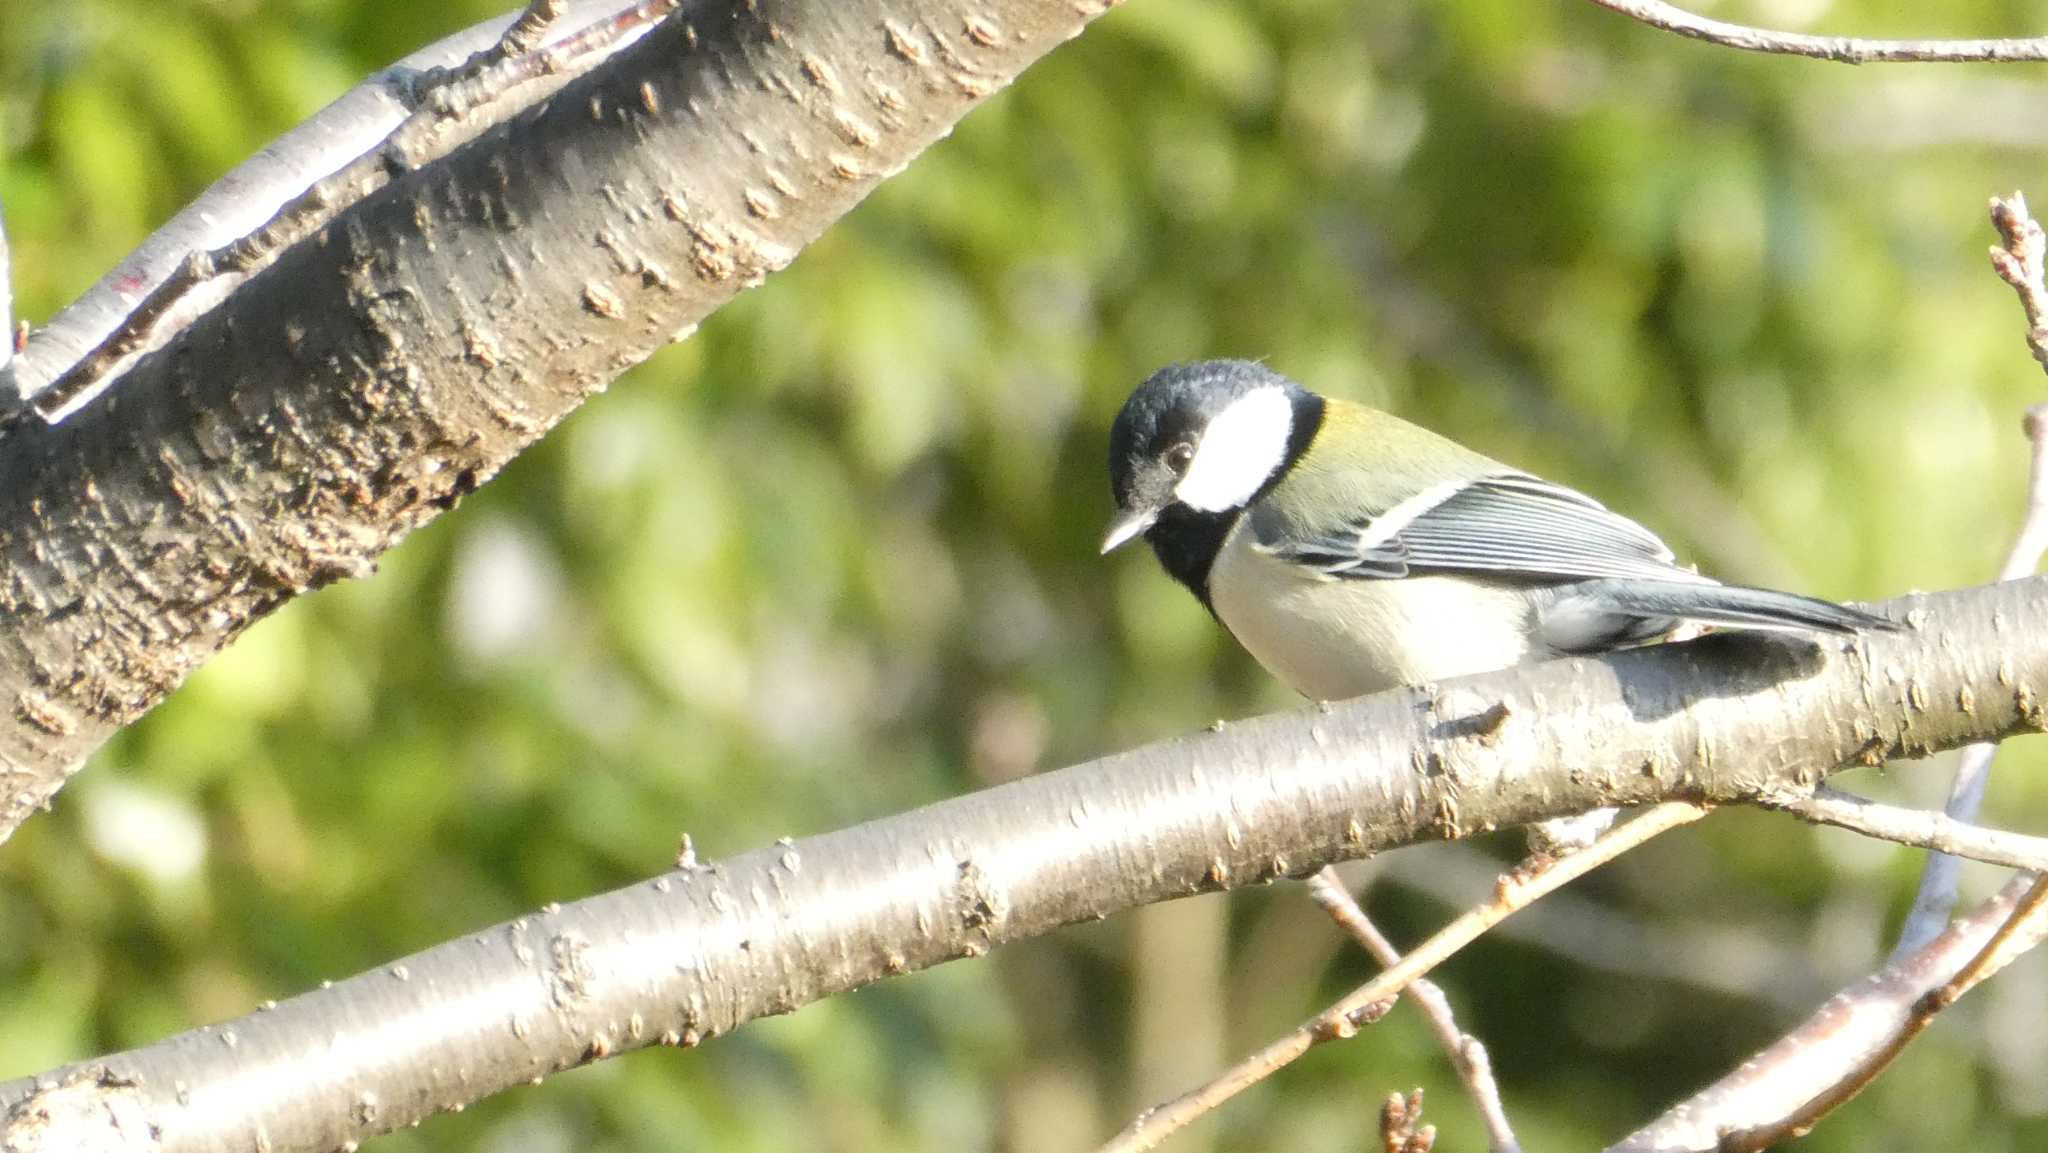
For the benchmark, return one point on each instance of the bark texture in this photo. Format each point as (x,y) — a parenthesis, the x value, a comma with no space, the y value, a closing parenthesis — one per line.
(374,374)
(699,951)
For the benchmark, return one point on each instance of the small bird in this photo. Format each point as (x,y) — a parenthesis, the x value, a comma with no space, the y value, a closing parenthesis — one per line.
(1350,551)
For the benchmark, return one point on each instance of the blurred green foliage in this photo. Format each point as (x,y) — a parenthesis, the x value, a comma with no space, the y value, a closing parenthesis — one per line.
(834,557)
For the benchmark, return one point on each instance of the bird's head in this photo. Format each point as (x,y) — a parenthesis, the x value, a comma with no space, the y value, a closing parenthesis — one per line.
(1208,436)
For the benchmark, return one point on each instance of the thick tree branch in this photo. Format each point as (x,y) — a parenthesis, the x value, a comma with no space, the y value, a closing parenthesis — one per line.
(371,374)
(1842,49)
(445,109)
(207,245)
(697,952)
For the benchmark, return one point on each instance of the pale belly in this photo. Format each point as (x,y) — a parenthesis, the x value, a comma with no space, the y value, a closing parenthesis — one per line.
(1332,639)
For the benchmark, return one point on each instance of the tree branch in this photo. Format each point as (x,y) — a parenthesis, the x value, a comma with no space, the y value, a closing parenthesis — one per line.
(1782,1091)
(530,30)
(1542,875)
(697,952)
(376,370)
(1753,962)
(137,306)
(1917,827)
(447,107)
(1837,1052)
(1842,49)
(1467,1053)
(2021,260)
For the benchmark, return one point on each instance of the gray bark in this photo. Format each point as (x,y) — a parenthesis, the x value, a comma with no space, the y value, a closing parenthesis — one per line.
(697,952)
(374,373)
(243,201)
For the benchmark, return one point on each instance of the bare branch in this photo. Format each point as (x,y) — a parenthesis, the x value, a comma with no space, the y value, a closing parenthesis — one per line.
(384,365)
(527,32)
(2021,260)
(2020,932)
(1752,961)
(1467,1054)
(1842,49)
(698,952)
(445,103)
(1917,827)
(1540,876)
(1834,1054)
(255,191)
(1839,1050)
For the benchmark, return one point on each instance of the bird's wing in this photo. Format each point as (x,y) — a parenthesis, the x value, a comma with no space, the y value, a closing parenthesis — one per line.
(1510,524)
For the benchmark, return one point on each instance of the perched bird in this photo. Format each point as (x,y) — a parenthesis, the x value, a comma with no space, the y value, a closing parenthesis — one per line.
(1350,551)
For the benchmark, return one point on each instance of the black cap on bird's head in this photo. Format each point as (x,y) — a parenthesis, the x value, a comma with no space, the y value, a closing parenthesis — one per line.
(1209,435)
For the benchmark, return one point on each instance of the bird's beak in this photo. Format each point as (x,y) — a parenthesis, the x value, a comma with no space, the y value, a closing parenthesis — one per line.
(1127,524)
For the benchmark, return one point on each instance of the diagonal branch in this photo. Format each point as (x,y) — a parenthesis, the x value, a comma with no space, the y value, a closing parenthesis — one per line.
(1836,1053)
(530,29)
(375,370)
(700,951)
(1468,1055)
(1842,49)
(1538,878)
(450,107)
(134,306)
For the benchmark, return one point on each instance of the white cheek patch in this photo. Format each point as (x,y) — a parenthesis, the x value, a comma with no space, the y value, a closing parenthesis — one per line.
(1242,447)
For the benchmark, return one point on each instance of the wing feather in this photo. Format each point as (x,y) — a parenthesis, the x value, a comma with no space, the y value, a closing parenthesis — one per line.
(1510,524)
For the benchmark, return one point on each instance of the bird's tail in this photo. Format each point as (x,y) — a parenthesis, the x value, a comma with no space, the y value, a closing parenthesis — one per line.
(1729,606)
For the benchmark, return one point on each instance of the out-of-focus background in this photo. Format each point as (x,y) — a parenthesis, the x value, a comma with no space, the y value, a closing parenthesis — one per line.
(835,557)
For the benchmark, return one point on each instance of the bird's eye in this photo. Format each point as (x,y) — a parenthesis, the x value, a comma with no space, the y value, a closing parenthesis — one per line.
(1180,456)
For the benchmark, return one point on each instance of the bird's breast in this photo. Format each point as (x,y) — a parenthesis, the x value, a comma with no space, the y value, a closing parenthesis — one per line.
(1330,639)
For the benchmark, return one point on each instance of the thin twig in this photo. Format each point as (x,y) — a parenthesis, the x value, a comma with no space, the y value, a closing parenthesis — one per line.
(1917,827)
(1467,1054)
(1515,892)
(2017,935)
(2021,260)
(530,29)
(1744,960)
(1847,1042)
(1842,49)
